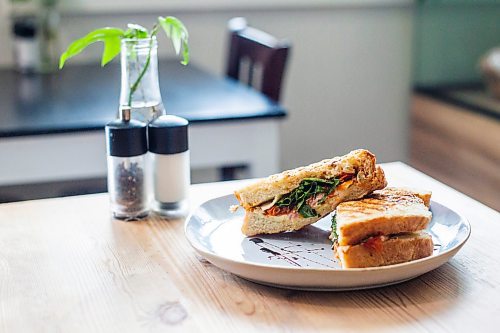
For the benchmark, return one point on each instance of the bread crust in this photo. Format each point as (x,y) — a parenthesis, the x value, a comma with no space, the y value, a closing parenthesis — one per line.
(405,191)
(395,250)
(257,222)
(359,161)
(386,212)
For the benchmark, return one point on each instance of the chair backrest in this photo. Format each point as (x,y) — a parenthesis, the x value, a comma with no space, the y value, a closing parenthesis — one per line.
(262,53)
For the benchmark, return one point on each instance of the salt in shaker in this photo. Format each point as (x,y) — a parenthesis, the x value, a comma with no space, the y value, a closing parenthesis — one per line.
(169,158)
(26,44)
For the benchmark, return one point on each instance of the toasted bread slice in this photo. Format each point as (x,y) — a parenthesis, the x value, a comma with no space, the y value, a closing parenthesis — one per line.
(358,162)
(405,191)
(384,250)
(257,221)
(385,212)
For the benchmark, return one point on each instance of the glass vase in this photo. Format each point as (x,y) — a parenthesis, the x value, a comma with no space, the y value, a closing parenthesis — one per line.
(140,88)
(49,36)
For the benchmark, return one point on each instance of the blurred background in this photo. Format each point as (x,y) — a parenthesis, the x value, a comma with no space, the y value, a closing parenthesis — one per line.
(413,81)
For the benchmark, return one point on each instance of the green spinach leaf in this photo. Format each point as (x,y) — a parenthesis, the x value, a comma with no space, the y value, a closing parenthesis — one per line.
(306,211)
(308,187)
(334,235)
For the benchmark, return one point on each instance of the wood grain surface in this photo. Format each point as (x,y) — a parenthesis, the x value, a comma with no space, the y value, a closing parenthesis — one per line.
(66,266)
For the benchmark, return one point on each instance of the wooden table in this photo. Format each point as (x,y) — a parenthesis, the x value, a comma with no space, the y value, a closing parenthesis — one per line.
(65,266)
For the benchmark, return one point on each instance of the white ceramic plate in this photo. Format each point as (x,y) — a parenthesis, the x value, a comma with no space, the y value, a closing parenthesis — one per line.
(304,259)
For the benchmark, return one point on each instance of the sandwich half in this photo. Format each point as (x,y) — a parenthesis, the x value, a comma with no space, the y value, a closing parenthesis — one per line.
(295,198)
(385,228)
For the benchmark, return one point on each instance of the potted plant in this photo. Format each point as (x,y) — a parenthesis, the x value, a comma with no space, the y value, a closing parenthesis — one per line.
(139,61)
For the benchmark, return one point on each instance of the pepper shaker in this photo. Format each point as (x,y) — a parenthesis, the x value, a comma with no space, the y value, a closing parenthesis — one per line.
(169,158)
(126,142)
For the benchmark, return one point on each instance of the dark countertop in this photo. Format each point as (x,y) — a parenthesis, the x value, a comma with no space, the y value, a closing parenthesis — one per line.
(472,97)
(86,97)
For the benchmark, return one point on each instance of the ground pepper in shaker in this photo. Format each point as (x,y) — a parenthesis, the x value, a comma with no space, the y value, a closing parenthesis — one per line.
(126,142)
(169,158)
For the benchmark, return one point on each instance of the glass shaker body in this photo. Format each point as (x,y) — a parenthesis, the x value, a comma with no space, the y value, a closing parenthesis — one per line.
(126,144)
(128,187)
(171,179)
(169,158)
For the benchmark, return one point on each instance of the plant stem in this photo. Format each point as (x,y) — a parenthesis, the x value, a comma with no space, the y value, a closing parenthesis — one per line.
(134,86)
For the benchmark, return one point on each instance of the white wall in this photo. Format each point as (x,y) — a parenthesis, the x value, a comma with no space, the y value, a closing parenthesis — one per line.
(348,79)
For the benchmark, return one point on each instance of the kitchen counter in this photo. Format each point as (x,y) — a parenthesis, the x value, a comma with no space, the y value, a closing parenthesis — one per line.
(472,97)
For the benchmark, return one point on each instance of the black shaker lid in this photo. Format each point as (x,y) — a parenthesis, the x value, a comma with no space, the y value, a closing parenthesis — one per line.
(24,27)
(126,138)
(168,134)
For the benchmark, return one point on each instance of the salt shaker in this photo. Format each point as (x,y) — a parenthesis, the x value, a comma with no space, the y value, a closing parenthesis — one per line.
(169,158)
(126,142)
(26,45)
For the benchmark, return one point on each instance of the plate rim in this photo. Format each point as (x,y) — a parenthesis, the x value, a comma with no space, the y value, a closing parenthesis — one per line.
(456,248)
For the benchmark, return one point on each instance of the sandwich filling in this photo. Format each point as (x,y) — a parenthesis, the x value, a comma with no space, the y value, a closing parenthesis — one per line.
(310,194)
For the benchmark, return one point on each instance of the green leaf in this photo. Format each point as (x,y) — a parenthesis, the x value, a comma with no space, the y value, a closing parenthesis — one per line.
(111,37)
(178,34)
(307,211)
(175,36)
(308,187)
(185,53)
(112,48)
(136,31)
(334,235)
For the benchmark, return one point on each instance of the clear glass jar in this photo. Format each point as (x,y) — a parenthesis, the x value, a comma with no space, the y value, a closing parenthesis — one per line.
(49,19)
(128,186)
(140,87)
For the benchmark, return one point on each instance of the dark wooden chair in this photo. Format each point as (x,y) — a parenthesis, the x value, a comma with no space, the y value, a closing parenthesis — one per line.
(257,59)
(264,56)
